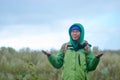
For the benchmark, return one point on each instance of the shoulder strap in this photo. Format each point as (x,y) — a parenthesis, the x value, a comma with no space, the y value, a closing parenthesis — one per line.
(86,46)
(87,49)
(64,47)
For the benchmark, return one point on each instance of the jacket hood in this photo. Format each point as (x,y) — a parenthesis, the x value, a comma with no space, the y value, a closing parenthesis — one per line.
(81,39)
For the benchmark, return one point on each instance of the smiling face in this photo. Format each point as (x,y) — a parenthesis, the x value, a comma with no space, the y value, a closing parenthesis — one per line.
(75,34)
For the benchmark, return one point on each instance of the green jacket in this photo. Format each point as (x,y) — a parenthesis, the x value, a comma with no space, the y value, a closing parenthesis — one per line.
(73,61)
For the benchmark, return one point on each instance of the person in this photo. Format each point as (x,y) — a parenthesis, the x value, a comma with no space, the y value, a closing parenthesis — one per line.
(75,56)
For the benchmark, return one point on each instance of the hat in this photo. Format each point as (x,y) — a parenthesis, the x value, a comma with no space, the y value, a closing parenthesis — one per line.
(75,28)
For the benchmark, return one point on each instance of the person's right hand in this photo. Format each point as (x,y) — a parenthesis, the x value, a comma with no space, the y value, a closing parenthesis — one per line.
(46,53)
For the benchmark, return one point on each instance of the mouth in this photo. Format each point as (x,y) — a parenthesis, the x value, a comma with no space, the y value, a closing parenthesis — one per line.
(75,38)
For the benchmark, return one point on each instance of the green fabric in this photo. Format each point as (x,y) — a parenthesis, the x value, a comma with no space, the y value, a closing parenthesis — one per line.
(71,69)
(57,61)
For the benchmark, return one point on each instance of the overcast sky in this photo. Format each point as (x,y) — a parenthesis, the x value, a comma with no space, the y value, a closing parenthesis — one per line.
(44,24)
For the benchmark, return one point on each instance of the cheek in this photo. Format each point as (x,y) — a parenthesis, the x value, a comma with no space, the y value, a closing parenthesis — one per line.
(78,35)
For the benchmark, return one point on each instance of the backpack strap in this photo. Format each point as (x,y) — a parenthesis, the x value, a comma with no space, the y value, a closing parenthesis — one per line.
(64,48)
(87,49)
(86,54)
(86,46)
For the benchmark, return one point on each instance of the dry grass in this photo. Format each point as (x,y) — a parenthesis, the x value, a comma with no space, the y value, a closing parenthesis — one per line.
(33,65)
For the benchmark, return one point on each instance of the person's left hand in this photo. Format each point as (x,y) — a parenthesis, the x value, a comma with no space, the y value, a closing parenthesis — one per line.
(99,55)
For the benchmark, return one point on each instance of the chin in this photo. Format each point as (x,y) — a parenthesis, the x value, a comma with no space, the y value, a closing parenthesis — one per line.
(75,39)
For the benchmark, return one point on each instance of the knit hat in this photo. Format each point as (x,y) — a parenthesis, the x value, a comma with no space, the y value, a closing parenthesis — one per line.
(75,28)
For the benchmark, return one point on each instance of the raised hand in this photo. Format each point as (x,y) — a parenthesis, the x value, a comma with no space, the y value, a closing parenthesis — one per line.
(46,53)
(99,55)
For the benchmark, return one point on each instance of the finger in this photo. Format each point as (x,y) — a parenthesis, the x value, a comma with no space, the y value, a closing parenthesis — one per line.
(44,52)
(99,55)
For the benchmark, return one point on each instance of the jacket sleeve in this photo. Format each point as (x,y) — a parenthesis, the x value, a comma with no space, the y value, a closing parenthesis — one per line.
(92,61)
(58,60)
